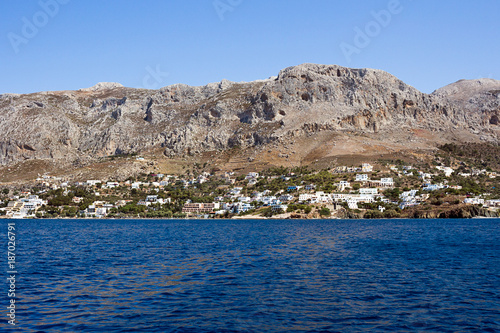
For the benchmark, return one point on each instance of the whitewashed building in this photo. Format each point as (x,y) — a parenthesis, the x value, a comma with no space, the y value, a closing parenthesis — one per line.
(361,177)
(366,167)
(373,191)
(343,184)
(387,182)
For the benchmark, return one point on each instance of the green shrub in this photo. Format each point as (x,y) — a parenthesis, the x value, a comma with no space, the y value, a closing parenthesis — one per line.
(391,213)
(325,211)
(373,214)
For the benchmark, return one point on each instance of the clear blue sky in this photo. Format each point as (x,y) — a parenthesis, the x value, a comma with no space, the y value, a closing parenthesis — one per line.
(426,43)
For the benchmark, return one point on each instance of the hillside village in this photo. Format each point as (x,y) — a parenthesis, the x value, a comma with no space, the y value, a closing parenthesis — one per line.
(382,190)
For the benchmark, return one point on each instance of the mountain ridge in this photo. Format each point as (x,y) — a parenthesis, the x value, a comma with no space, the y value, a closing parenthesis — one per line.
(312,110)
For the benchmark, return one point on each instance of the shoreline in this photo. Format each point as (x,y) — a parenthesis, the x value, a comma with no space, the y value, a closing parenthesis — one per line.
(249,218)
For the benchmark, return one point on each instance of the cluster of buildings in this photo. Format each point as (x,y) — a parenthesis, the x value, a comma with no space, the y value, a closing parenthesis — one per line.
(410,198)
(23,207)
(493,203)
(365,167)
(54,183)
(237,199)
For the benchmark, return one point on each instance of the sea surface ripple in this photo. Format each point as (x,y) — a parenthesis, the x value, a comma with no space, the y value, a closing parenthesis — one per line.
(257,275)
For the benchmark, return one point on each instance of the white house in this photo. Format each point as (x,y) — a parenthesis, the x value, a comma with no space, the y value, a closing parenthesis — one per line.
(359,198)
(343,184)
(98,209)
(252,175)
(201,179)
(24,207)
(267,200)
(77,199)
(256,196)
(241,207)
(408,194)
(339,196)
(152,198)
(493,203)
(323,197)
(307,197)
(352,204)
(424,175)
(361,177)
(33,202)
(447,170)
(372,191)
(236,190)
(244,199)
(14,209)
(474,201)
(278,207)
(366,167)
(286,197)
(432,187)
(387,182)
(112,184)
(406,204)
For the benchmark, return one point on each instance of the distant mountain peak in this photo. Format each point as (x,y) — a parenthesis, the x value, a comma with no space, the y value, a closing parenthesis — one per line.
(464,89)
(103,86)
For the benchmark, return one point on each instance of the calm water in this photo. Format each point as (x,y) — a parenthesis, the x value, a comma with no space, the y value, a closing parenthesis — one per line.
(257,276)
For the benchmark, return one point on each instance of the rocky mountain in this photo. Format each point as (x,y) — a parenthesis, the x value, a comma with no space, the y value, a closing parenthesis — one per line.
(307,112)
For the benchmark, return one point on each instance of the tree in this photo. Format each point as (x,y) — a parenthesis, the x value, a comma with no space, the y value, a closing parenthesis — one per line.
(325,211)
(391,213)
(60,200)
(5,191)
(70,211)
(392,194)
(372,214)
(268,212)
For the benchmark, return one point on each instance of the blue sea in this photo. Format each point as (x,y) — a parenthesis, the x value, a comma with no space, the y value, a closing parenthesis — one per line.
(255,275)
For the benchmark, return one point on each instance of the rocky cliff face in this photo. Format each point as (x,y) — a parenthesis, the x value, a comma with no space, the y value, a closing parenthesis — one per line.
(109,119)
(480,101)
(463,212)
